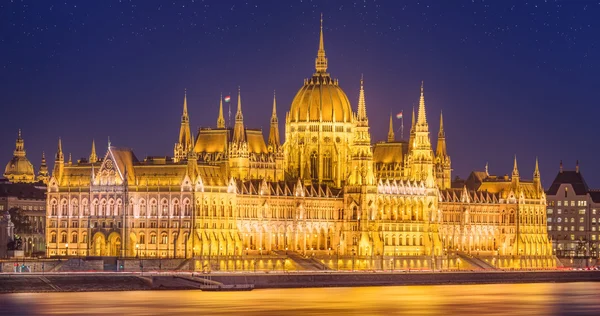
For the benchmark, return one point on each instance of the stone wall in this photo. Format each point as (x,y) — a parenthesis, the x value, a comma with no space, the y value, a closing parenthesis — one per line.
(30,265)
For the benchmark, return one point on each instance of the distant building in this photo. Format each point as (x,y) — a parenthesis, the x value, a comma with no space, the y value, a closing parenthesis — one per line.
(31,199)
(573,215)
(23,190)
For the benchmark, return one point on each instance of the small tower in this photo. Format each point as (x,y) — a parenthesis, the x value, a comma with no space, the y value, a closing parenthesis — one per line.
(274,131)
(391,137)
(321,60)
(43,173)
(93,157)
(238,129)
(59,161)
(184,145)
(515,174)
(442,160)
(221,118)
(536,176)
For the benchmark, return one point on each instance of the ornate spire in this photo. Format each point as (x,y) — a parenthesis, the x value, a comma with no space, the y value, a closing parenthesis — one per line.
(221,119)
(59,152)
(321,60)
(185,109)
(412,127)
(441,144)
(391,136)
(238,130)
(362,107)
(43,173)
(19,146)
(515,172)
(70,161)
(536,172)
(93,157)
(441,132)
(274,131)
(422,117)
(185,135)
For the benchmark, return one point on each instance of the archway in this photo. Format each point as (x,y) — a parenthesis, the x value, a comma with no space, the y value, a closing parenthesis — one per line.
(98,245)
(114,244)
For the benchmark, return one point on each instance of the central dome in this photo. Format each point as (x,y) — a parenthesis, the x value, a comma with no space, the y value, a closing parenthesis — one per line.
(19,169)
(321,98)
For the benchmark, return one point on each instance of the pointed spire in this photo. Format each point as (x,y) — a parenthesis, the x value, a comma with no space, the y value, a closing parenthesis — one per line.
(321,60)
(441,132)
(108,141)
(422,119)
(185,109)
(391,136)
(561,167)
(412,127)
(487,169)
(43,173)
(221,118)
(441,144)
(59,153)
(274,113)
(536,172)
(93,157)
(70,161)
(362,107)
(274,131)
(515,172)
(238,129)
(577,166)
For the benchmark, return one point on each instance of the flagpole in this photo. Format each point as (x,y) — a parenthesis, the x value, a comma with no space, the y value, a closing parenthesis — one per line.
(229,118)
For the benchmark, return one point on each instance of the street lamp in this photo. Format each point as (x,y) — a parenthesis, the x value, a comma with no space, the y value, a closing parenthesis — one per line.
(137,250)
(67,246)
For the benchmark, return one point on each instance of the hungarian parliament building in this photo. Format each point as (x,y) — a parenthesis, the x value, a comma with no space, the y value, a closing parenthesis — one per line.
(326,190)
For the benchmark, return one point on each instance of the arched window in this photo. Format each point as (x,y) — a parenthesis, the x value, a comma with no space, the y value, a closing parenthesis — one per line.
(63,238)
(53,208)
(314,165)
(153,208)
(102,208)
(142,239)
(142,208)
(53,237)
(74,208)
(186,208)
(64,208)
(175,208)
(74,238)
(164,208)
(164,239)
(327,165)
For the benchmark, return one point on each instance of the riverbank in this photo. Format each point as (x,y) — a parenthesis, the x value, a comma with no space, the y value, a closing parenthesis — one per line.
(85,282)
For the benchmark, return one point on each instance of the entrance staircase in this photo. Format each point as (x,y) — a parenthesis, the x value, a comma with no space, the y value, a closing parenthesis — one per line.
(475,262)
(310,264)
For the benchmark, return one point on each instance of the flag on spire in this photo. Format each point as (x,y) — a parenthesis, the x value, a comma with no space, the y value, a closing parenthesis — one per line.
(227,98)
(399,115)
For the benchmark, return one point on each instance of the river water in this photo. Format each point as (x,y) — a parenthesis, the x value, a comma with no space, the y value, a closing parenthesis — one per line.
(497,299)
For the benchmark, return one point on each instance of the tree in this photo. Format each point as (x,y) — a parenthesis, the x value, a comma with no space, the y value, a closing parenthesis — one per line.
(15,244)
(20,220)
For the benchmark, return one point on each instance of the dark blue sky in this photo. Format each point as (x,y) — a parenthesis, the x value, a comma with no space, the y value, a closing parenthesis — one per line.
(512,77)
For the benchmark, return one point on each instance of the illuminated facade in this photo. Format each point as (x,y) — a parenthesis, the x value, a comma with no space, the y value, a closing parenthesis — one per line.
(227,192)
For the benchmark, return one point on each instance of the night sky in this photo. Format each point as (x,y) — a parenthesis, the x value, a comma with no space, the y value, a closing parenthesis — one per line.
(512,77)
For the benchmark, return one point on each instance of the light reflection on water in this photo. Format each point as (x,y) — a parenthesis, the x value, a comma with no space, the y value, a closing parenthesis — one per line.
(497,299)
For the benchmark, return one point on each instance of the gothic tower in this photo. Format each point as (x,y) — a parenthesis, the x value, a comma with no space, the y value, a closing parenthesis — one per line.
(43,173)
(442,160)
(420,156)
(184,145)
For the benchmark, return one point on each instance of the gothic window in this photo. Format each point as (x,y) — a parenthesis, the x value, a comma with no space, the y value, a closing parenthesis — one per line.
(153,239)
(63,238)
(85,238)
(327,165)
(175,208)
(102,208)
(164,239)
(53,208)
(142,208)
(153,208)
(164,211)
(74,238)
(64,209)
(74,208)
(186,208)
(314,165)
(53,238)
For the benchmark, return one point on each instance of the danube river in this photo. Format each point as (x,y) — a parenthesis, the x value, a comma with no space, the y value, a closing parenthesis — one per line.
(496,299)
